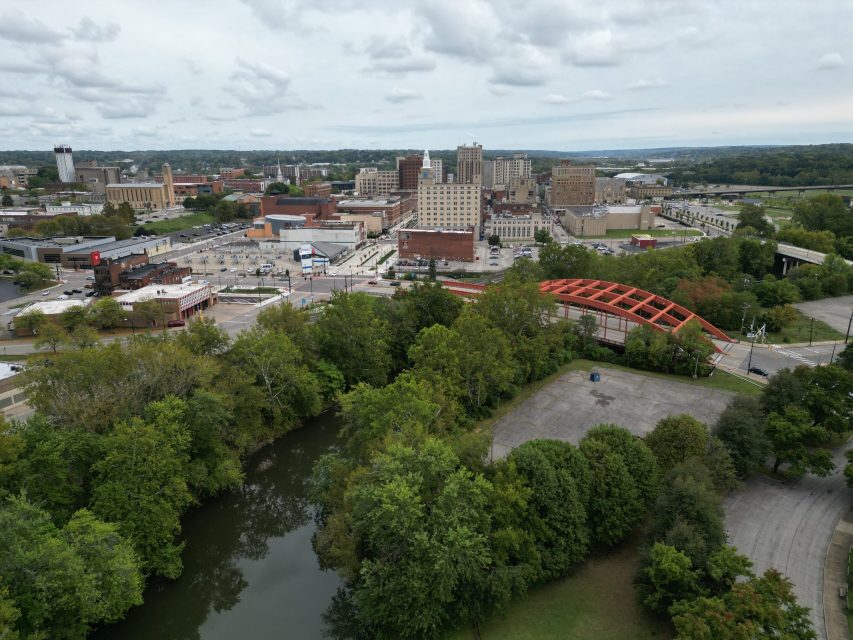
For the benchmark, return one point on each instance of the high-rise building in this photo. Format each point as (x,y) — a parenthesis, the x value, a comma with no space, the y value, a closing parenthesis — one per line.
(446,206)
(409,167)
(469,164)
(439,170)
(489,181)
(169,182)
(64,162)
(572,185)
(506,169)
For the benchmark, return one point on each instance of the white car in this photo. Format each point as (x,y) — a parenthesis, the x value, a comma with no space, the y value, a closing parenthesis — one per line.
(233,270)
(90,277)
(62,297)
(45,293)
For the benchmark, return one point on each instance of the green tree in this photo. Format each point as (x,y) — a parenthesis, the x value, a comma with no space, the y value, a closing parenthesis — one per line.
(753,216)
(845,358)
(670,577)
(558,479)
(203,337)
(7,200)
(34,274)
(290,389)
(741,429)
(615,507)
(638,458)
(542,236)
(494,240)
(140,485)
(795,439)
(83,337)
(74,317)
(826,212)
(432,269)
(106,313)
(351,336)
(422,530)
(109,561)
(151,312)
(50,335)
(32,321)
(677,438)
(764,607)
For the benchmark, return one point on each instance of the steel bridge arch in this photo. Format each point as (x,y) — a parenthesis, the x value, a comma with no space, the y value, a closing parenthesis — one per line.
(625,301)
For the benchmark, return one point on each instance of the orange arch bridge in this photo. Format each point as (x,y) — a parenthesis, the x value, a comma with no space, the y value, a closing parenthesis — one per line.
(625,301)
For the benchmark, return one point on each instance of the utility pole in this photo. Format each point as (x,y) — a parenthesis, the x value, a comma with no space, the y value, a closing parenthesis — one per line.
(811,331)
(848,326)
(751,346)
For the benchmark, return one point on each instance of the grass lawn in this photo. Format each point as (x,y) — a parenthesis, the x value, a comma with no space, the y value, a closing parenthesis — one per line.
(180,224)
(798,331)
(598,602)
(656,233)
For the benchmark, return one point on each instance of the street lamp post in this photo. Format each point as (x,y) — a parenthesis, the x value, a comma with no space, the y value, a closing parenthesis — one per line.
(751,347)
(849,322)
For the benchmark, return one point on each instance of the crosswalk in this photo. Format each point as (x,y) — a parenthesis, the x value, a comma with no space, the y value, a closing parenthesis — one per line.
(796,356)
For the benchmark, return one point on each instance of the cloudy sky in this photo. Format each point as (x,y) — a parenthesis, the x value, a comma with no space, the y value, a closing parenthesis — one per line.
(319,74)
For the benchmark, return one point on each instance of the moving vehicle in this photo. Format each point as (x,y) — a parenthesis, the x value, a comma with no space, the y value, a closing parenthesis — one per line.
(758,371)
(45,293)
(175,323)
(371,282)
(396,283)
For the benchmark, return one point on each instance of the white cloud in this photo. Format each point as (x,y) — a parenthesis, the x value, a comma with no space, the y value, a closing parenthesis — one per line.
(399,94)
(595,94)
(259,133)
(642,83)
(20,27)
(557,98)
(262,88)
(396,56)
(831,61)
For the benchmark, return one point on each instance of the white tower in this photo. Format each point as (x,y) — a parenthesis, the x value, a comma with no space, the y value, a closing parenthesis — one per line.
(426,164)
(279,176)
(64,162)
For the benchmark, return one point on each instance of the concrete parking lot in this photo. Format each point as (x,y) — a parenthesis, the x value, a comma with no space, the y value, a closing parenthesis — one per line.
(788,525)
(836,312)
(570,406)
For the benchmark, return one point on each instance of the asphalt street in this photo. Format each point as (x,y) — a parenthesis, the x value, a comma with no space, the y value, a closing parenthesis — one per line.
(788,525)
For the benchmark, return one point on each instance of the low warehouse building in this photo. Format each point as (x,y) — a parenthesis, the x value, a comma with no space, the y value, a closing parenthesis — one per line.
(175,302)
(441,244)
(50,310)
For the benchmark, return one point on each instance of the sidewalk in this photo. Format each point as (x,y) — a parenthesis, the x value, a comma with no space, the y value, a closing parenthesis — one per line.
(835,579)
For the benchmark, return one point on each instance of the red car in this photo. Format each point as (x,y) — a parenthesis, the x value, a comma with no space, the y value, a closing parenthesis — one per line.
(175,323)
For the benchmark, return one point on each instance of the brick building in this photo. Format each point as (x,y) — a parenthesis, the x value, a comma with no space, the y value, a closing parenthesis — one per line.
(317,189)
(108,272)
(572,185)
(408,168)
(146,274)
(441,244)
(311,208)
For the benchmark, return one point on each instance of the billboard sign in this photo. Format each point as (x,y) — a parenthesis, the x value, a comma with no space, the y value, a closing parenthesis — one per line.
(95,258)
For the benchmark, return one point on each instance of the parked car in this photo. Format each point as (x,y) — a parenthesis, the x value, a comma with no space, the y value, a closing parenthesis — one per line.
(90,277)
(76,291)
(68,293)
(62,297)
(224,269)
(175,323)
(90,294)
(758,371)
(371,282)
(396,283)
(45,293)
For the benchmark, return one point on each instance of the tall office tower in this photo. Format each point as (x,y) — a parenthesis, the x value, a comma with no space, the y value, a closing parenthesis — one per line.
(469,164)
(506,169)
(489,174)
(409,167)
(169,181)
(64,162)
(572,185)
(438,169)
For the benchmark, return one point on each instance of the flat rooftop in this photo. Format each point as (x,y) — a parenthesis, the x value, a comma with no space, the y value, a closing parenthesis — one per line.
(155,291)
(373,202)
(60,242)
(52,307)
(121,244)
(158,185)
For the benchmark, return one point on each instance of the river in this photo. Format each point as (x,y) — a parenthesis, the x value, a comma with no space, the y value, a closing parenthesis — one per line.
(249,569)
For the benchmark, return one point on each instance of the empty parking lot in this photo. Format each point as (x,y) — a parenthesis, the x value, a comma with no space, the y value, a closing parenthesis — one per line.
(567,408)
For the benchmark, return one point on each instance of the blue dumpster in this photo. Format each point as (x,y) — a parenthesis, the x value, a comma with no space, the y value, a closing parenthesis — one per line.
(595,376)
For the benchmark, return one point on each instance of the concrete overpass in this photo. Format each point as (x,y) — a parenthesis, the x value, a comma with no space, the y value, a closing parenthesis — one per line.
(742,190)
(794,256)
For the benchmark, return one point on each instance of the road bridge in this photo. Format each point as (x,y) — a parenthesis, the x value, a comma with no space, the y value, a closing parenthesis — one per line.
(742,190)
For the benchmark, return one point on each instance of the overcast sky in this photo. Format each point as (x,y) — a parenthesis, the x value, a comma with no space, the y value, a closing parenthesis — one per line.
(326,74)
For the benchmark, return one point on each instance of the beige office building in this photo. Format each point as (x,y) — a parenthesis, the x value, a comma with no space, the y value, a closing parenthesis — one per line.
(572,185)
(145,196)
(521,191)
(469,164)
(448,205)
(371,182)
(518,166)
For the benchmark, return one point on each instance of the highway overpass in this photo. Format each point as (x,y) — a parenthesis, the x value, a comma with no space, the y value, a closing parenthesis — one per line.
(742,190)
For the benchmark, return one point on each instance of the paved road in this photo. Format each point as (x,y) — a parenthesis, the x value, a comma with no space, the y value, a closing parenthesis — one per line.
(788,526)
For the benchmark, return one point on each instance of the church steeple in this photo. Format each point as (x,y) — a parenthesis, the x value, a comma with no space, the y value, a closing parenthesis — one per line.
(279,176)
